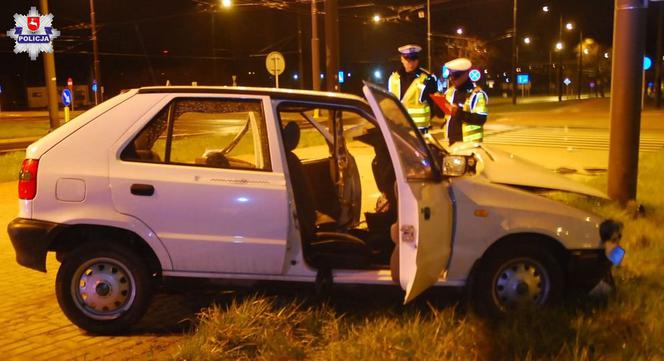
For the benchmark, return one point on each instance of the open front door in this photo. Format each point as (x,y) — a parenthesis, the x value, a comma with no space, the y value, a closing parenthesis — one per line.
(425,209)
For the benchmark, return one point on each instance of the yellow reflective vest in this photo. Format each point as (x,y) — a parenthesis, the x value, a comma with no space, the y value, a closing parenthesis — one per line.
(411,100)
(476,103)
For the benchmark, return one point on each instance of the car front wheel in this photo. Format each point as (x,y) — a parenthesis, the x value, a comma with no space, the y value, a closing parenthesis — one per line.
(103,289)
(512,279)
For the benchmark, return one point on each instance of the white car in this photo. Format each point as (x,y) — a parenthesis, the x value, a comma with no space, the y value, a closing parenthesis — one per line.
(272,184)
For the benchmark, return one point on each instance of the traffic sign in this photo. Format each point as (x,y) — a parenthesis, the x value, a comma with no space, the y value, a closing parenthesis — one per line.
(647,63)
(66,97)
(94,86)
(275,63)
(522,79)
(567,82)
(70,82)
(474,75)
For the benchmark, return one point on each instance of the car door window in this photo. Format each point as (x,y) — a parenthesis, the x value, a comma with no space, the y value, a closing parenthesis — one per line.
(218,133)
(416,159)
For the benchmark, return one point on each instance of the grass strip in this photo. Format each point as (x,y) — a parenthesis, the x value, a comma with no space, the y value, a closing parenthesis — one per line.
(623,326)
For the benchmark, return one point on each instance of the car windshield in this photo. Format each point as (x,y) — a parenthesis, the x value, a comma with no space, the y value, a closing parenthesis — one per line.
(413,152)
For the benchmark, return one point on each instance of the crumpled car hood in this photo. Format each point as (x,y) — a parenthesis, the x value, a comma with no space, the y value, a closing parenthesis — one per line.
(505,168)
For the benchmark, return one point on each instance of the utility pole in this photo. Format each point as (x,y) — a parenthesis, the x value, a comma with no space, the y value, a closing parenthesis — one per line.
(315,48)
(515,53)
(559,73)
(658,58)
(300,54)
(429,37)
(213,45)
(50,79)
(580,69)
(332,44)
(95,51)
(629,34)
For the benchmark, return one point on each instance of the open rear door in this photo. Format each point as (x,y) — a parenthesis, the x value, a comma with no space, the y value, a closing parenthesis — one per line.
(425,209)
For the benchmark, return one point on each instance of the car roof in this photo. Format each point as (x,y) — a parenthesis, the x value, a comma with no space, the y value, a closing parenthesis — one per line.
(279,93)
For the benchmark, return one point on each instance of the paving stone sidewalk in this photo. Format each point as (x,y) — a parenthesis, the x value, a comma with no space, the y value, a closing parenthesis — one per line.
(34,328)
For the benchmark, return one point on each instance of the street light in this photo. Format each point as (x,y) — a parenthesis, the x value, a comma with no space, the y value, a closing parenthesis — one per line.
(226,3)
(459,31)
(526,40)
(606,55)
(545,8)
(376,18)
(569,26)
(559,46)
(586,51)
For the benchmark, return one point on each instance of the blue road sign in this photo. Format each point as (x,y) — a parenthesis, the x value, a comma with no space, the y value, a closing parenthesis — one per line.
(522,79)
(342,77)
(474,75)
(94,86)
(446,72)
(66,97)
(647,63)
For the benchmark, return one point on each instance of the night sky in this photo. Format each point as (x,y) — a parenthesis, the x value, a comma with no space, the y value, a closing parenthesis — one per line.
(149,42)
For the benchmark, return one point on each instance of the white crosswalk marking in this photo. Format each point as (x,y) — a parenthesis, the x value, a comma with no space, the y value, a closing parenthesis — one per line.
(565,138)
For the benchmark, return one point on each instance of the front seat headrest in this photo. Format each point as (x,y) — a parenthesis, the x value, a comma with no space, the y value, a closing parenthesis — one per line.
(291,133)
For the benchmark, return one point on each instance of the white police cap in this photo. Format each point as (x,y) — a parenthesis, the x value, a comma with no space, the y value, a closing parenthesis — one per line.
(410,49)
(458,65)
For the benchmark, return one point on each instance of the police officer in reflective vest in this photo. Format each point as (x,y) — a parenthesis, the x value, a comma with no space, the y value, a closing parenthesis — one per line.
(467,104)
(413,85)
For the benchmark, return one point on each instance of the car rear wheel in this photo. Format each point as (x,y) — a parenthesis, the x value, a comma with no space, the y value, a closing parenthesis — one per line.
(103,289)
(513,279)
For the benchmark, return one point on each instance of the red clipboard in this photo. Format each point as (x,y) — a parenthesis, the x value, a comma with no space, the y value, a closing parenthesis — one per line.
(442,103)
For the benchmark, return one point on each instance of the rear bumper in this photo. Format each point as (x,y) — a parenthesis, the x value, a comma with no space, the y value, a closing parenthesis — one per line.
(31,239)
(586,268)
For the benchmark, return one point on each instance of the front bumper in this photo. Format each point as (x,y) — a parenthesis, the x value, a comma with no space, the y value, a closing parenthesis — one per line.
(586,268)
(31,239)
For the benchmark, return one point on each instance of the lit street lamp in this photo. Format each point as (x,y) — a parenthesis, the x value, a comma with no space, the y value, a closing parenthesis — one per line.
(459,31)
(526,40)
(376,18)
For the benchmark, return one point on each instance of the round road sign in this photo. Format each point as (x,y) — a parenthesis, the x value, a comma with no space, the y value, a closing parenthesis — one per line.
(275,63)
(474,75)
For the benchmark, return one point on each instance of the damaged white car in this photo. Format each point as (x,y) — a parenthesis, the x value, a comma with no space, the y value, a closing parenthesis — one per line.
(269,184)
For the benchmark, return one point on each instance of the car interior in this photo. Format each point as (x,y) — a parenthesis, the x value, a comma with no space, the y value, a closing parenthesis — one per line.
(332,153)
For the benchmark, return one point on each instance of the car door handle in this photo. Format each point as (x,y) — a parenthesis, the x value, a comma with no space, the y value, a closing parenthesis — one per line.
(142,189)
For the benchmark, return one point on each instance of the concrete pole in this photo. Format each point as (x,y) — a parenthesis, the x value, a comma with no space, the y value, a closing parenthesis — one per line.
(629,34)
(315,48)
(332,44)
(213,44)
(515,52)
(95,50)
(50,79)
(300,53)
(658,57)
(559,73)
(429,64)
(580,68)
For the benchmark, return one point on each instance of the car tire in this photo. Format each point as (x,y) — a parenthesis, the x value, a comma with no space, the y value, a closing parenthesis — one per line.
(516,278)
(103,289)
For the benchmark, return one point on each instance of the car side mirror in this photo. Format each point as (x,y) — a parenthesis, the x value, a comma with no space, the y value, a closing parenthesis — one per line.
(458,165)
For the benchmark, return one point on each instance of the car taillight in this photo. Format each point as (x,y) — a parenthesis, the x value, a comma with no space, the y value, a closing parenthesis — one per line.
(27,179)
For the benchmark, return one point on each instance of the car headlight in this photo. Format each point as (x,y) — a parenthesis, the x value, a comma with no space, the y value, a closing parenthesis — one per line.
(454,165)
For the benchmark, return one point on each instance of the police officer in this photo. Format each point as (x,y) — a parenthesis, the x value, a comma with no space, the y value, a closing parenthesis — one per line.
(413,85)
(467,104)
